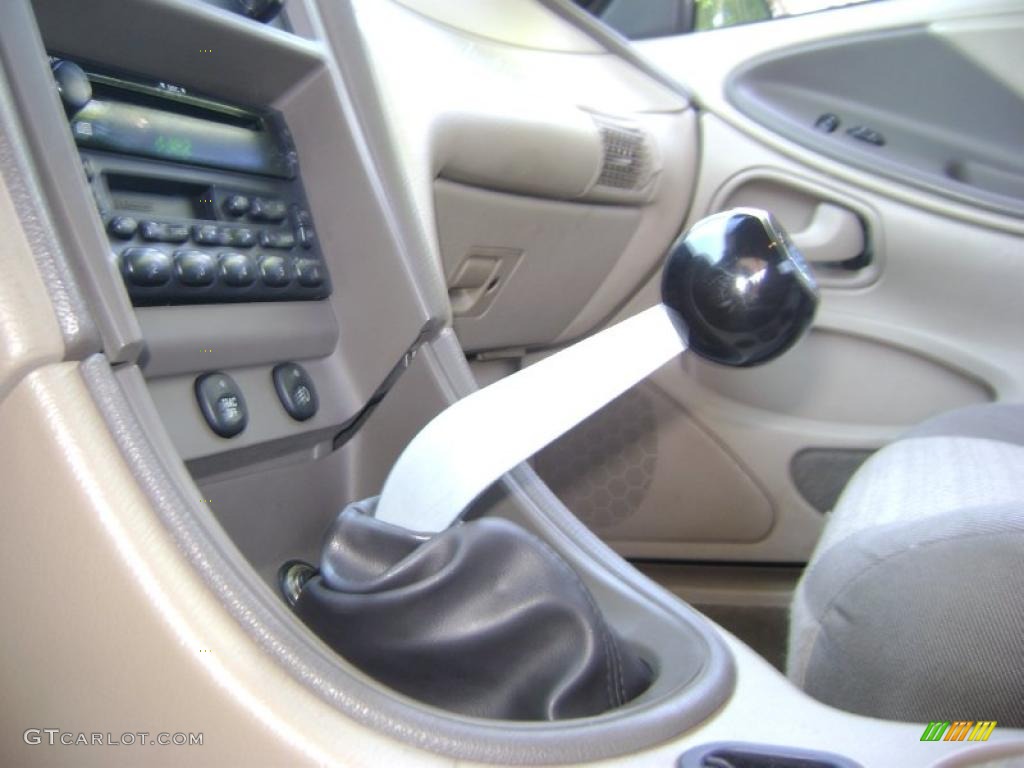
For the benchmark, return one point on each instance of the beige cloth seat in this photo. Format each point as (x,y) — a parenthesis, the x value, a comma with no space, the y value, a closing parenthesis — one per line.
(912,605)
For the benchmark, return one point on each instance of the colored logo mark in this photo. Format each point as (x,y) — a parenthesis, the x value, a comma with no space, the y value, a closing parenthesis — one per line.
(958,730)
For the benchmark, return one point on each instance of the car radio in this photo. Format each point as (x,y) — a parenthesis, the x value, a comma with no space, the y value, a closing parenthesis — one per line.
(202,201)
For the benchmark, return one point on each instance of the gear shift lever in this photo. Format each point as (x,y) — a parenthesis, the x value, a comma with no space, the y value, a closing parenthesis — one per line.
(734,285)
(485,618)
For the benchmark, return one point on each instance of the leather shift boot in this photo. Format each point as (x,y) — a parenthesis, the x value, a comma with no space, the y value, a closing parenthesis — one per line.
(483,619)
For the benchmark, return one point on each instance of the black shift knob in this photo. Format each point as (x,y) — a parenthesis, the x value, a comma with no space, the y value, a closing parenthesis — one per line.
(740,288)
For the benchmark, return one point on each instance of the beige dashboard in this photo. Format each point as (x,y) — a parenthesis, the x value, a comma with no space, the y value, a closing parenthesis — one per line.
(553,173)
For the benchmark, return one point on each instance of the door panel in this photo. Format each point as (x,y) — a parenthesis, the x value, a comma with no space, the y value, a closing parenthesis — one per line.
(925,320)
(643,473)
(823,379)
(902,103)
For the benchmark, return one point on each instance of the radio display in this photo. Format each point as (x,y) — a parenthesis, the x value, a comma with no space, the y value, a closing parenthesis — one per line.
(140,130)
(160,198)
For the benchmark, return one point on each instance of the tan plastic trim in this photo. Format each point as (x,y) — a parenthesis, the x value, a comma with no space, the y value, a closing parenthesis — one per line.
(123,634)
(29,334)
(538,28)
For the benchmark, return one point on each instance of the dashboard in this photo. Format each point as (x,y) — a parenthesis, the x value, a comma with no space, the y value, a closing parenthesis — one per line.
(234,191)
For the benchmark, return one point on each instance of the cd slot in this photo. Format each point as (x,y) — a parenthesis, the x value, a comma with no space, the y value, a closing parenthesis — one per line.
(112,89)
(133,129)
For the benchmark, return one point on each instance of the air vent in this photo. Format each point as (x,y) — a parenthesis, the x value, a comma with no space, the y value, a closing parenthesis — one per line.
(627,158)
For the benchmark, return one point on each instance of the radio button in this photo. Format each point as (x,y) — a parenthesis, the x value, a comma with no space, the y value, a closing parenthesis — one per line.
(236,205)
(275,271)
(209,234)
(146,267)
(302,223)
(282,240)
(264,209)
(195,268)
(123,227)
(152,230)
(311,274)
(237,269)
(306,237)
(243,238)
(176,233)
(161,231)
(300,217)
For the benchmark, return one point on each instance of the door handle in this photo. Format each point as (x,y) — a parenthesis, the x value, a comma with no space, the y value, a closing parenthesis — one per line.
(834,234)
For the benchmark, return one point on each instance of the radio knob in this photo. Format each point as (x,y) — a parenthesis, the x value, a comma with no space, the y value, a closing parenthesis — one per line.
(236,205)
(73,86)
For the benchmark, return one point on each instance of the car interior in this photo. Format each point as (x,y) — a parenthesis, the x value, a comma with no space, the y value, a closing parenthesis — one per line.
(512,382)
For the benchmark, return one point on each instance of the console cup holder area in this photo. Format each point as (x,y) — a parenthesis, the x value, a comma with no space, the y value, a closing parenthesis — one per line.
(486,620)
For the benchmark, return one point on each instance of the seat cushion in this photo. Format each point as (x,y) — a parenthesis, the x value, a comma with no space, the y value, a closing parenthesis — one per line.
(912,605)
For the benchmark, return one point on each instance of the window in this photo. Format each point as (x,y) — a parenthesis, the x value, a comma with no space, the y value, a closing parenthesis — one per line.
(639,19)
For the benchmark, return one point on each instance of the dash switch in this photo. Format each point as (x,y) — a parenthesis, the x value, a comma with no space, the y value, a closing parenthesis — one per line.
(222,404)
(295,390)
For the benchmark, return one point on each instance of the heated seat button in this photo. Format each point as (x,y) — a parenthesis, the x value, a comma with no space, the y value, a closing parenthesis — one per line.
(237,269)
(311,274)
(195,268)
(275,271)
(221,403)
(146,267)
(295,390)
